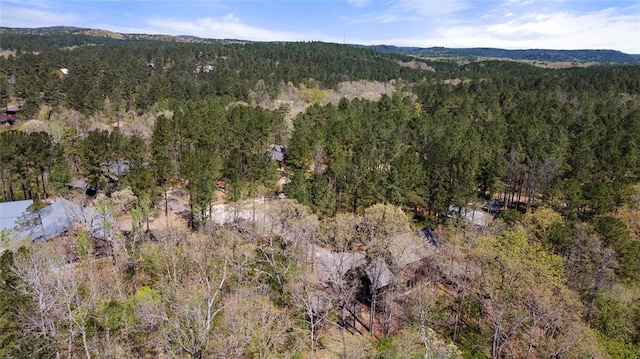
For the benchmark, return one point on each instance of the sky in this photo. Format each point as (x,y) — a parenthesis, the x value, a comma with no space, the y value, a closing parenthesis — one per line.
(508,24)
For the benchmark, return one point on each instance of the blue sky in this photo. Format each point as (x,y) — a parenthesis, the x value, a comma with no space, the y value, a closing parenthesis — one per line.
(510,24)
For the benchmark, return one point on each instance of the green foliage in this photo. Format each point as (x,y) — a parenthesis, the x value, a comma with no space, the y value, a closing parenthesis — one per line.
(28,159)
(410,344)
(619,349)
(390,348)
(96,149)
(84,248)
(523,133)
(297,188)
(121,73)
(274,268)
(111,315)
(616,320)
(5,235)
(31,219)
(558,236)
(511,216)
(616,234)
(523,287)
(312,96)
(149,261)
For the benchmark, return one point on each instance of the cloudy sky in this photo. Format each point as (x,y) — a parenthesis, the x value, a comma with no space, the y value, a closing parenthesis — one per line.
(510,24)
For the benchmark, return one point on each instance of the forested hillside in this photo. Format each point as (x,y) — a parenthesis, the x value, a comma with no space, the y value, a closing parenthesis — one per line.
(575,56)
(433,208)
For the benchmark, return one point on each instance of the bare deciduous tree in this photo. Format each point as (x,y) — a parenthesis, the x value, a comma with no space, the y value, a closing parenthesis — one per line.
(37,270)
(199,296)
(380,225)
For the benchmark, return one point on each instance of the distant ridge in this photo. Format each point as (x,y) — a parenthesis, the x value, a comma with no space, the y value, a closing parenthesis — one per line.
(58,28)
(531,54)
(70,35)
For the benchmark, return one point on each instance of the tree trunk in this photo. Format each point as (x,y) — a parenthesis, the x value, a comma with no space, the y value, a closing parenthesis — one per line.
(166,204)
(44,188)
(495,342)
(44,237)
(312,335)
(343,324)
(85,344)
(372,314)
(12,196)
(520,183)
(38,187)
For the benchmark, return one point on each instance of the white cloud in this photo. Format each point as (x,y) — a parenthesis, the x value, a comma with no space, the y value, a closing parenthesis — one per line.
(43,4)
(414,10)
(430,8)
(611,28)
(358,3)
(385,18)
(517,2)
(227,27)
(230,18)
(604,29)
(23,17)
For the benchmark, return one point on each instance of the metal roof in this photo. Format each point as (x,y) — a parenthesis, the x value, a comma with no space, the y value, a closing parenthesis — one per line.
(11,211)
(61,216)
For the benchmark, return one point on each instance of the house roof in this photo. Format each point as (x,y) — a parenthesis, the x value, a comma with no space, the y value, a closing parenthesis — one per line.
(475,216)
(379,273)
(277,152)
(13,108)
(81,184)
(405,249)
(11,211)
(332,265)
(116,168)
(61,216)
(479,218)
(7,120)
(408,248)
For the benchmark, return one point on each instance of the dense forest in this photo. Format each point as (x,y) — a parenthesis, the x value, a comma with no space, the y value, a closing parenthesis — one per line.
(186,147)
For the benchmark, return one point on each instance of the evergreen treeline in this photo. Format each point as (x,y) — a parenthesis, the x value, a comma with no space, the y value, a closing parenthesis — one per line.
(134,74)
(522,137)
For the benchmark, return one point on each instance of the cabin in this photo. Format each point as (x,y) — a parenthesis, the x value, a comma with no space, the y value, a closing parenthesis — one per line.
(480,217)
(82,186)
(114,170)
(409,260)
(62,215)
(277,152)
(9,115)
(205,68)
